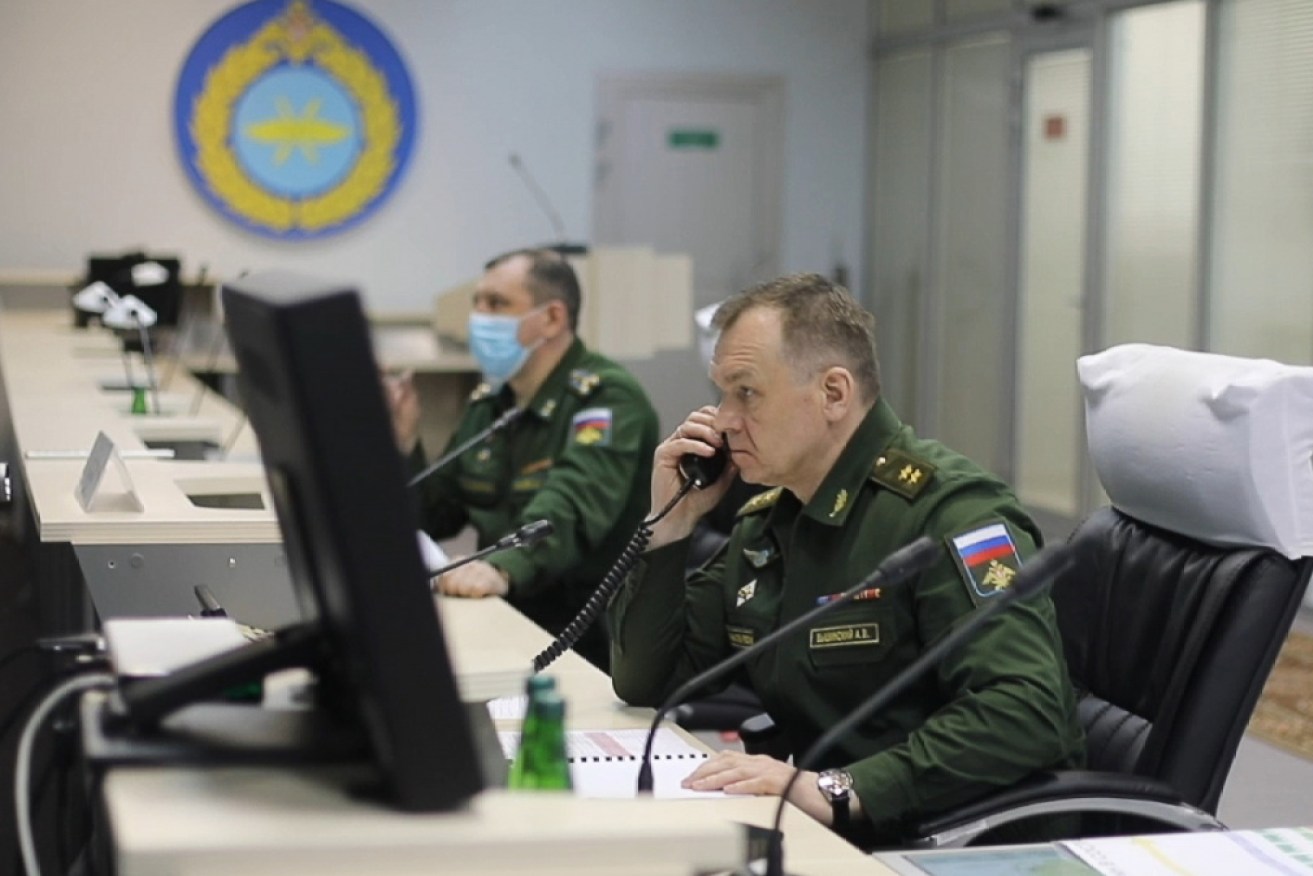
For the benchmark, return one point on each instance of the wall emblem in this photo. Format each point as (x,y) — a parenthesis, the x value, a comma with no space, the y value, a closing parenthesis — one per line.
(294,118)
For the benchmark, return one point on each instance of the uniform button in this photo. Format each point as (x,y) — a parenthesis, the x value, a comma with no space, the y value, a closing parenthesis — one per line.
(880,461)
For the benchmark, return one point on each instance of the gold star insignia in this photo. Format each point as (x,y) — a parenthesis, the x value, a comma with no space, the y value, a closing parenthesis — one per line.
(840,502)
(910,474)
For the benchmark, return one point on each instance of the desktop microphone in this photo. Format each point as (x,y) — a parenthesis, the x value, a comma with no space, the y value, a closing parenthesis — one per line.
(528,534)
(1039,570)
(130,312)
(497,425)
(896,568)
(544,203)
(217,342)
(182,332)
(231,440)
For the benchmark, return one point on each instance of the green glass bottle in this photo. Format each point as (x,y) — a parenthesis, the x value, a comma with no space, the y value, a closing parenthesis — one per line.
(139,400)
(534,689)
(549,761)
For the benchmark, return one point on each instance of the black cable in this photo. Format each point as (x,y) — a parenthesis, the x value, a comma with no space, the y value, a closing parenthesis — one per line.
(69,829)
(611,582)
(25,797)
(90,849)
(57,775)
(76,836)
(25,704)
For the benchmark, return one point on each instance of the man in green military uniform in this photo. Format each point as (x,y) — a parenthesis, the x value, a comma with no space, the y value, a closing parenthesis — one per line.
(579,454)
(801,410)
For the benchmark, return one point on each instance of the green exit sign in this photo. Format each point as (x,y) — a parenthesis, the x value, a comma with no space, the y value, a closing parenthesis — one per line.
(690,138)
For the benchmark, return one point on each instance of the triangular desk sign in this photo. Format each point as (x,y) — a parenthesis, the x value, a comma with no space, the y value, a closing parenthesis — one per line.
(88,492)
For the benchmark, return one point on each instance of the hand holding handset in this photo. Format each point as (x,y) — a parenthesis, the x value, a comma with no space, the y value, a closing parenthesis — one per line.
(698,472)
(704,471)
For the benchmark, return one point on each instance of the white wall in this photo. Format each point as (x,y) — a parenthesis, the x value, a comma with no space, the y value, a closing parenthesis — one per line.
(88,162)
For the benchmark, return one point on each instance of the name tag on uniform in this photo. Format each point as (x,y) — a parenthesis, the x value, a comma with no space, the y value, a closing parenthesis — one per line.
(844,636)
(741,637)
(528,483)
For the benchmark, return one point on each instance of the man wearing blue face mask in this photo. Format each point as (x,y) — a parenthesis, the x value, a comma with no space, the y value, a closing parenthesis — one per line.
(580,455)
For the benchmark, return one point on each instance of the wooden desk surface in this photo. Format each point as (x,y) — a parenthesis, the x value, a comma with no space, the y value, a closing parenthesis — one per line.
(284,820)
(54,378)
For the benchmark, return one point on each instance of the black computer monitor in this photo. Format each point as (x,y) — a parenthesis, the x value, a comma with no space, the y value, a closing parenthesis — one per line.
(311,387)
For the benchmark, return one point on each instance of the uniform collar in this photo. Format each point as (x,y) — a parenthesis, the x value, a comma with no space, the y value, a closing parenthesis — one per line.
(547,400)
(839,490)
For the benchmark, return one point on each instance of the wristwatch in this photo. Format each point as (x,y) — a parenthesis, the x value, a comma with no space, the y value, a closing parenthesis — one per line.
(837,787)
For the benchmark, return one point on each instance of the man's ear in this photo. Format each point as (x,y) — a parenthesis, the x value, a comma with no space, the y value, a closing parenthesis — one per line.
(558,317)
(838,391)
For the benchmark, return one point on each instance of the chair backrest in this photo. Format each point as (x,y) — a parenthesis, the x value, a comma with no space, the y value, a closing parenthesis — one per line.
(1186,588)
(1169,641)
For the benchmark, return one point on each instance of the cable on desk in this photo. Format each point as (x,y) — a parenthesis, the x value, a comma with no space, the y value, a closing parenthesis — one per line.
(23,760)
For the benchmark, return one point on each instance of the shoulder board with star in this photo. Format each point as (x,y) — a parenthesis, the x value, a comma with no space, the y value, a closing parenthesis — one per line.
(482,391)
(583,381)
(760,502)
(902,473)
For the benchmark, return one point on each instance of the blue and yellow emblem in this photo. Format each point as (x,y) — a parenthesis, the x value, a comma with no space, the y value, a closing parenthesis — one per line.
(295,118)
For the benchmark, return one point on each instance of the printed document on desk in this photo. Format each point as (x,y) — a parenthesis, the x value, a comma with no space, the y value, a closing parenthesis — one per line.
(1044,860)
(1284,851)
(604,763)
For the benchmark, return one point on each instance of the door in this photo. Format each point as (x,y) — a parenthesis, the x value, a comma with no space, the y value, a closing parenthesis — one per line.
(691,164)
(1057,272)
(1052,282)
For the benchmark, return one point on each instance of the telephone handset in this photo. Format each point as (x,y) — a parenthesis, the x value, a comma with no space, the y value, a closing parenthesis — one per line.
(704,471)
(698,472)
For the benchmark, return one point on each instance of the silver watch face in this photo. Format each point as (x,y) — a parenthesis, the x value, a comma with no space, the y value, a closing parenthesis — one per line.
(835,784)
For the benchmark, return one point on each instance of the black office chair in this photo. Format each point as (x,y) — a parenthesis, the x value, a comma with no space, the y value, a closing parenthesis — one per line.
(1169,637)
(1169,642)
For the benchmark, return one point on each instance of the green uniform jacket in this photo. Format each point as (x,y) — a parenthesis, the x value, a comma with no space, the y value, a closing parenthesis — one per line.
(580,456)
(998,709)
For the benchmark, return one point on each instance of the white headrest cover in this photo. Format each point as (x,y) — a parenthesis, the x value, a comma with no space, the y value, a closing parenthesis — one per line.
(1213,447)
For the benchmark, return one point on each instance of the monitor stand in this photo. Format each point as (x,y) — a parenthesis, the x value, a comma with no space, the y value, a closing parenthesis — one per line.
(181,718)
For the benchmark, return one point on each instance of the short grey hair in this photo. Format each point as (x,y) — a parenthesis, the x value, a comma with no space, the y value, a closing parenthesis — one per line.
(821,323)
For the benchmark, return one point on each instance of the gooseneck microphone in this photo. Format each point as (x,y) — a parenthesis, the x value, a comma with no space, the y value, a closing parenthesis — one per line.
(1043,567)
(896,568)
(544,203)
(528,534)
(496,426)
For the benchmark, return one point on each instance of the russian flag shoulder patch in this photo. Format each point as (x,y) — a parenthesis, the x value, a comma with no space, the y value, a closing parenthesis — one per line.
(592,427)
(987,559)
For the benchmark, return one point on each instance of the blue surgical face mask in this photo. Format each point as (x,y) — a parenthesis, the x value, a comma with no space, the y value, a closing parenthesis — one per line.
(495,344)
